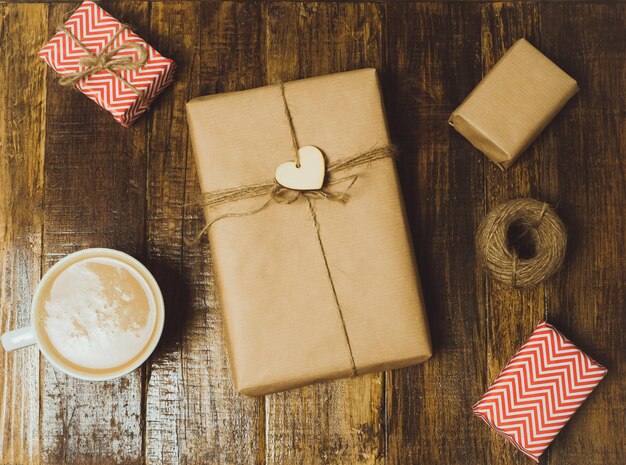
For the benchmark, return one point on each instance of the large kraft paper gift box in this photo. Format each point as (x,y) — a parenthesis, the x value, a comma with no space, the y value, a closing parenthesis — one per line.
(315,289)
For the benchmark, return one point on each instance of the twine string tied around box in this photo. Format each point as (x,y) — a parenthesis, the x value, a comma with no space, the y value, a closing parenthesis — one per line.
(284,195)
(106,60)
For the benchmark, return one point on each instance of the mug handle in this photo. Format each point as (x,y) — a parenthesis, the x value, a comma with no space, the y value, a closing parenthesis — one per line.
(19,338)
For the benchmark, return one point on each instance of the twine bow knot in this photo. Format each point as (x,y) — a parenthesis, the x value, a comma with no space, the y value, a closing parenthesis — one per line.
(106,60)
(284,195)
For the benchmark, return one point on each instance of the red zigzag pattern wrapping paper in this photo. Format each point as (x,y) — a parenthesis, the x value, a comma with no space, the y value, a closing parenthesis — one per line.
(539,390)
(95,27)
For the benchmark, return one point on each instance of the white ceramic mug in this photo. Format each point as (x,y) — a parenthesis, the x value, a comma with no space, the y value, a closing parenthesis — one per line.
(31,335)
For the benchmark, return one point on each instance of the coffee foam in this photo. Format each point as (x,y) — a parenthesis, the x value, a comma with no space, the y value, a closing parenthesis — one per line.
(98,313)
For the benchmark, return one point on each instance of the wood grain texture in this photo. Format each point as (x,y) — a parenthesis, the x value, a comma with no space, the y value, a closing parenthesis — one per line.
(432,63)
(94,197)
(339,422)
(21,195)
(173,32)
(512,314)
(133,189)
(587,298)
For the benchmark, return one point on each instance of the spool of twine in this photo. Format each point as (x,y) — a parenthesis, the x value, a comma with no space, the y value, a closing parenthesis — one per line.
(522,242)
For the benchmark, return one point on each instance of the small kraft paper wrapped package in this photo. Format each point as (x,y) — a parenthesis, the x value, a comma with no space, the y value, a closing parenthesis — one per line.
(513,103)
(107,62)
(314,284)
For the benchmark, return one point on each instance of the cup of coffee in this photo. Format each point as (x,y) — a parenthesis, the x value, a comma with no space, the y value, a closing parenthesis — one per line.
(97,314)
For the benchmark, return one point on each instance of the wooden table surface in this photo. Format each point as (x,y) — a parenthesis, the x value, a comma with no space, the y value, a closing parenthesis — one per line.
(71,178)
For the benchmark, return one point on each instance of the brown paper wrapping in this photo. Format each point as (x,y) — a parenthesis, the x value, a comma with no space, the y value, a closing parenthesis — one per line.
(513,103)
(283,326)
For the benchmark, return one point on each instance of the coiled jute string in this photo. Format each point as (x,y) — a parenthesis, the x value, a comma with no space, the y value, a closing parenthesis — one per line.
(535,223)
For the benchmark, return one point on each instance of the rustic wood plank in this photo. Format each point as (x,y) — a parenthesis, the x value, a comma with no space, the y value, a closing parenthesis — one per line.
(433,62)
(94,196)
(589,143)
(512,314)
(194,414)
(22,132)
(174,31)
(338,422)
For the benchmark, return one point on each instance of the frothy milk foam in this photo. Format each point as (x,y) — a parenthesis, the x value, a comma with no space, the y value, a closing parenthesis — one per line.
(97,314)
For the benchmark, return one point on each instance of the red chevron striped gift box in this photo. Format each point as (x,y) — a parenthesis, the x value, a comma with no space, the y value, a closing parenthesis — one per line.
(539,390)
(108,63)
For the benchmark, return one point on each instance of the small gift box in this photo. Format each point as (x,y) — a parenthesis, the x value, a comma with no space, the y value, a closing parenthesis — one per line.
(314,284)
(539,390)
(108,63)
(513,103)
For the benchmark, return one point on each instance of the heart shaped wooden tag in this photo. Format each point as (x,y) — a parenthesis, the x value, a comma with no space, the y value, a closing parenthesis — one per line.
(306,177)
